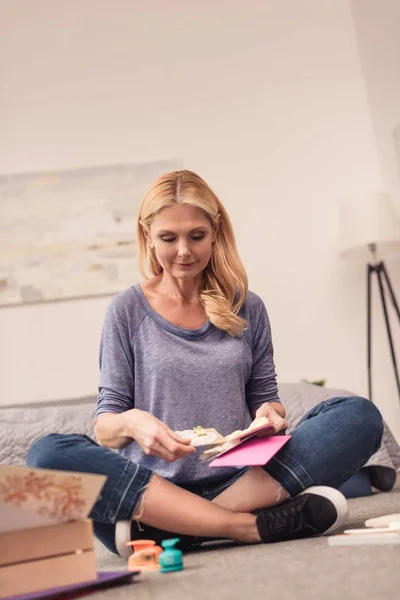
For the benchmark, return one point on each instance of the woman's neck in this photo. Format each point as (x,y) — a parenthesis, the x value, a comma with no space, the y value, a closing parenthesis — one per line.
(180,289)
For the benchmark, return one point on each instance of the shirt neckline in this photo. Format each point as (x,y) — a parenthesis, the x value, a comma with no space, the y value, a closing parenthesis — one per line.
(171,327)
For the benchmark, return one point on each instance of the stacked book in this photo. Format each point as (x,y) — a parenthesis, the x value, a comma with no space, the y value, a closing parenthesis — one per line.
(46,539)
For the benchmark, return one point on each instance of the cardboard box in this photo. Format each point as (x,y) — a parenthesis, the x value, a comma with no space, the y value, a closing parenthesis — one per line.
(46,557)
(46,539)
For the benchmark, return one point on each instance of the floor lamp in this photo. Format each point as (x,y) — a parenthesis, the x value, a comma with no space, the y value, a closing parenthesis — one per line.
(370,230)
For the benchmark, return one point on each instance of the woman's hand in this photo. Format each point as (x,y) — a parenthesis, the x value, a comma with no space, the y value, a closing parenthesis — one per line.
(279,423)
(154,437)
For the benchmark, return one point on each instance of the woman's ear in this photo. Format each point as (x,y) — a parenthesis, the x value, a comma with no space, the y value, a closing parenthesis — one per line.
(146,233)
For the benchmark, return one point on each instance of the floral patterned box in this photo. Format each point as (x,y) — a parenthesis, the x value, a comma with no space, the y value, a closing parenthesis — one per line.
(46,539)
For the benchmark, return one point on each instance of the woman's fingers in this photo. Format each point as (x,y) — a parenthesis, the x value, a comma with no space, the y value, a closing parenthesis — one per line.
(172,443)
(283,425)
(157,449)
(164,445)
(178,437)
(156,438)
(279,426)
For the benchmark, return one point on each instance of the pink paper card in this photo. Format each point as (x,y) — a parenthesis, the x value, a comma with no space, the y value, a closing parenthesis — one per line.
(255,452)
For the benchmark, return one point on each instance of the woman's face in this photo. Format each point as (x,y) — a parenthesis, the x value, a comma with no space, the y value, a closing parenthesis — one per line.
(182,237)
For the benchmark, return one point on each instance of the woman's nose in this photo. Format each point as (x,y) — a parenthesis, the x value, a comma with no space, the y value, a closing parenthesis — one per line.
(183,249)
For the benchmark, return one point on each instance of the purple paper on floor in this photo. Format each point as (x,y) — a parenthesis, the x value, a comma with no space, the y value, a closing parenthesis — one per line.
(104,579)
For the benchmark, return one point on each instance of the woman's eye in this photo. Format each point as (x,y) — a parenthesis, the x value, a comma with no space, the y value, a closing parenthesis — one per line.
(194,238)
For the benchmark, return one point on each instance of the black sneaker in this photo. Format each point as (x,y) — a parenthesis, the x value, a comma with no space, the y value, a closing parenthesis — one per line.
(318,510)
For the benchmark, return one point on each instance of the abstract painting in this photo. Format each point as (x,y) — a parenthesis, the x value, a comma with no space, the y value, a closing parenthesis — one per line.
(71,234)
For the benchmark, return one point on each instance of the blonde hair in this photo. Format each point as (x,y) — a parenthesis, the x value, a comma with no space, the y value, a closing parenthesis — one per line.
(225,286)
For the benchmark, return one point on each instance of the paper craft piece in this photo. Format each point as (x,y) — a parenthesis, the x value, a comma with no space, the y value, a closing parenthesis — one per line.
(259,425)
(200,436)
(208,436)
(33,497)
(251,432)
(255,452)
(104,579)
(233,440)
(217,443)
(392,537)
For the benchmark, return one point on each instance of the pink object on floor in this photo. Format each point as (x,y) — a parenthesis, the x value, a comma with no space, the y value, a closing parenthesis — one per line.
(255,452)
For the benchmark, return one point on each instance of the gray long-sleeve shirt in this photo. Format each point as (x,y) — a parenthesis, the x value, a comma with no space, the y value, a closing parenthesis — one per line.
(184,377)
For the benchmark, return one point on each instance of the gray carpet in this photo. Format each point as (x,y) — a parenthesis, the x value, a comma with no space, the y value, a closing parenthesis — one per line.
(304,569)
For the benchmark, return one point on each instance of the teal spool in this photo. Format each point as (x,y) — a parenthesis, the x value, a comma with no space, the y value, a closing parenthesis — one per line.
(171,558)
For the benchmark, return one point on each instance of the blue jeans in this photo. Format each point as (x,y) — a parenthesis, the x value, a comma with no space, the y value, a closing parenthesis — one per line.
(329,445)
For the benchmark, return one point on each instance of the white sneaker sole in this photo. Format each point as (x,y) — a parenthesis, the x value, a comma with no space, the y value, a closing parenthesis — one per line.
(337,499)
(122,537)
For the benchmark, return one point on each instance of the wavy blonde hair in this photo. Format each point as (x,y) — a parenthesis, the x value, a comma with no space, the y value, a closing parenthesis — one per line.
(225,285)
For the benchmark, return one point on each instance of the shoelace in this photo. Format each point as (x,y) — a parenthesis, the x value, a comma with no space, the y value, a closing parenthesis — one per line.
(287,518)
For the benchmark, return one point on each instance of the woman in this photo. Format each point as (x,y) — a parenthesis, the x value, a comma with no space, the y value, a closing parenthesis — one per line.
(191,346)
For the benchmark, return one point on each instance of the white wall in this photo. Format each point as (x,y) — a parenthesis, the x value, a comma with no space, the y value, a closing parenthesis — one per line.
(266,100)
(377,24)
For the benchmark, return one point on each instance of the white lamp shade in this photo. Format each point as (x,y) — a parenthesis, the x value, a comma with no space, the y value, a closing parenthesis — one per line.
(368,219)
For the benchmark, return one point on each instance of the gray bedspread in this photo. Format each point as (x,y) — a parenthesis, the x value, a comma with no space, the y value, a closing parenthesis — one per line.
(21,426)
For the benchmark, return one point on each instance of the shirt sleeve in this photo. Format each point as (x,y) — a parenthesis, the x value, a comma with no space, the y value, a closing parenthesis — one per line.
(262,385)
(116,386)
